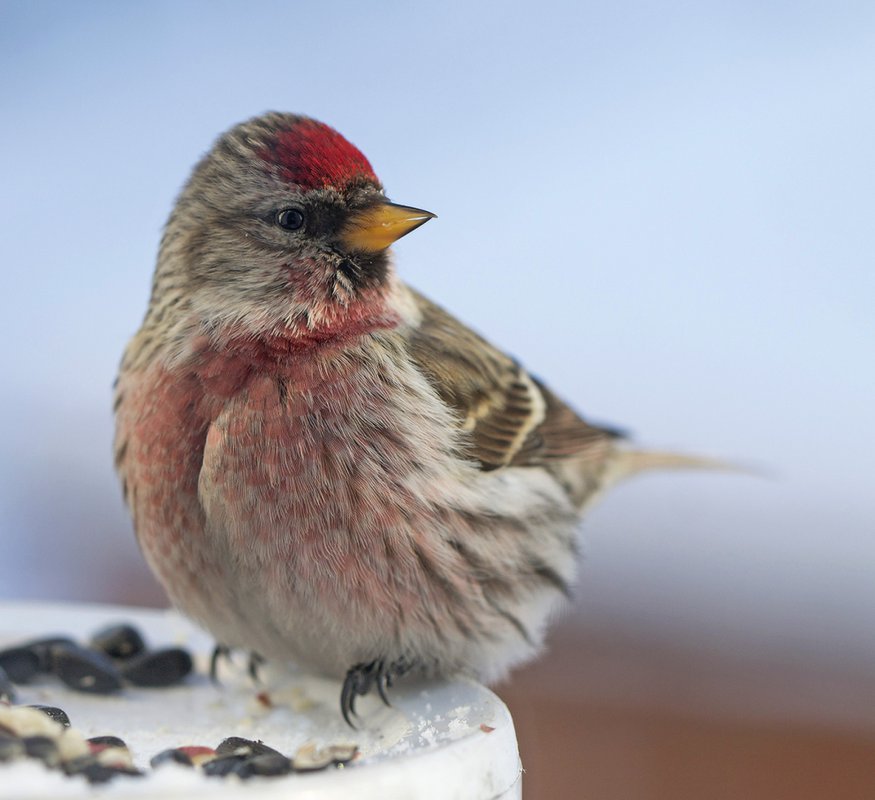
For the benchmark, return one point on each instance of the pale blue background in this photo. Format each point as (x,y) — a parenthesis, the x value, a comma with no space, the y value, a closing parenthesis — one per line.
(667,210)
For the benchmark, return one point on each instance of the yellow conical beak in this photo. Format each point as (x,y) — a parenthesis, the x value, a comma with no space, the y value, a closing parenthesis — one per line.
(374,228)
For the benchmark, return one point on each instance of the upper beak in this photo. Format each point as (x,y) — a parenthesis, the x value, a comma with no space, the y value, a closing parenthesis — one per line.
(374,228)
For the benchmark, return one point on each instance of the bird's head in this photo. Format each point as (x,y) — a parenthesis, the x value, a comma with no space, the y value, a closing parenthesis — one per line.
(282,225)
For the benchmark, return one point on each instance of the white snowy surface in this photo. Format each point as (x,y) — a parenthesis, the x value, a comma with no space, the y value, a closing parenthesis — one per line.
(429,744)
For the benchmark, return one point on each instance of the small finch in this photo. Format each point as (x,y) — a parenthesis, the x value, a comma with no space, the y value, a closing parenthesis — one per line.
(322,465)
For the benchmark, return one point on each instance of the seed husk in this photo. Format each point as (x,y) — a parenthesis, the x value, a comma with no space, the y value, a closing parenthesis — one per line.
(72,744)
(310,759)
(22,721)
(342,753)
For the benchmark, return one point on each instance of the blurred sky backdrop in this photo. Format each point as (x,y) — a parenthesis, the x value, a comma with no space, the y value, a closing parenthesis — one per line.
(666,210)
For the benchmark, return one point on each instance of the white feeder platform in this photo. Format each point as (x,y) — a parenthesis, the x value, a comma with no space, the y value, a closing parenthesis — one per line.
(438,741)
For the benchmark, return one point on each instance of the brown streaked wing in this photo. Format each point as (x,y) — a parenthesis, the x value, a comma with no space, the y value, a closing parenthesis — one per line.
(511,417)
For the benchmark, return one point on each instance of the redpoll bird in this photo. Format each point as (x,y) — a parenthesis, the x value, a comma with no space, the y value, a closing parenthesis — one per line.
(321,464)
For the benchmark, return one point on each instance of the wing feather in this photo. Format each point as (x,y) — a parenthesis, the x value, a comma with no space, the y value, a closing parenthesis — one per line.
(510,417)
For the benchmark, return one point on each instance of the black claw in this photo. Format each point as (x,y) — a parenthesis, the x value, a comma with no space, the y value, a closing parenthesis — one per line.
(219,651)
(361,678)
(222,651)
(255,661)
(346,695)
(383,681)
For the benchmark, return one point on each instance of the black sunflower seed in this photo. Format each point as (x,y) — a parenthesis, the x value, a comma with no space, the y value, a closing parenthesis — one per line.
(95,772)
(222,766)
(266,764)
(118,641)
(107,741)
(237,746)
(19,663)
(84,670)
(57,714)
(170,756)
(41,649)
(52,712)
(11,747)
(158,667)
(42,747)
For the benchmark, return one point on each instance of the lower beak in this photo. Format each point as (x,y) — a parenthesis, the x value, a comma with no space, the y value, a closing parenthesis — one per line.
(374,228)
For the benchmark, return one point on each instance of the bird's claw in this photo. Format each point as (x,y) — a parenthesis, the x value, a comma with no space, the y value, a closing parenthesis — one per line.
(256,660)
(221,651)
(361,678)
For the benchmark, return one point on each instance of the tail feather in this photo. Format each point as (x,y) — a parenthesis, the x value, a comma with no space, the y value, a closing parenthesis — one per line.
(625,464)
(628,463)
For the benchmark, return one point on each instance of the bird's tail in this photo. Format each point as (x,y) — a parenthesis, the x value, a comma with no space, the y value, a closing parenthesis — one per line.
(628,463)
(625,464)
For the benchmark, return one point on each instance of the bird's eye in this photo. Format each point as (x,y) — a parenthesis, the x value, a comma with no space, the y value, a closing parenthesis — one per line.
(290,218)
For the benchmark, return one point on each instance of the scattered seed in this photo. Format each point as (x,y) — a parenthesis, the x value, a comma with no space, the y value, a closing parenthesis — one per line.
(19,664)
(95,772)
(222,766)
(41,649)
(237,746)
(101,773)
(198,755)
(119,641)
(57,714)
(158,667)
(84,670)
(22,721)
(10,747)
(171,756)
(309,759)
(266,765)
(342,753)
(106,741)
(114,757)
(43,748)
(72,744)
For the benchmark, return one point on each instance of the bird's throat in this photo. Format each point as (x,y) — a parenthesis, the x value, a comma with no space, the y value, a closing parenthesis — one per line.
(329,329)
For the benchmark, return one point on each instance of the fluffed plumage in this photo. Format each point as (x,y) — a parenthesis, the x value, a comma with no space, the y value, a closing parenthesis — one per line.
(321,464)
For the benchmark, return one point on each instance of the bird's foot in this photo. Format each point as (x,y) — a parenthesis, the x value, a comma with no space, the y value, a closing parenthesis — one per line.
(256,661)
(361,678)
(221,651)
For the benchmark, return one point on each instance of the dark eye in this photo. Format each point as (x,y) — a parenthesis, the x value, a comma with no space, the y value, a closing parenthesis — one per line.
(290,218)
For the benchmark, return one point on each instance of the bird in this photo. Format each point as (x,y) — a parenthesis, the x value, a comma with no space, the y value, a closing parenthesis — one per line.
(322,465)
